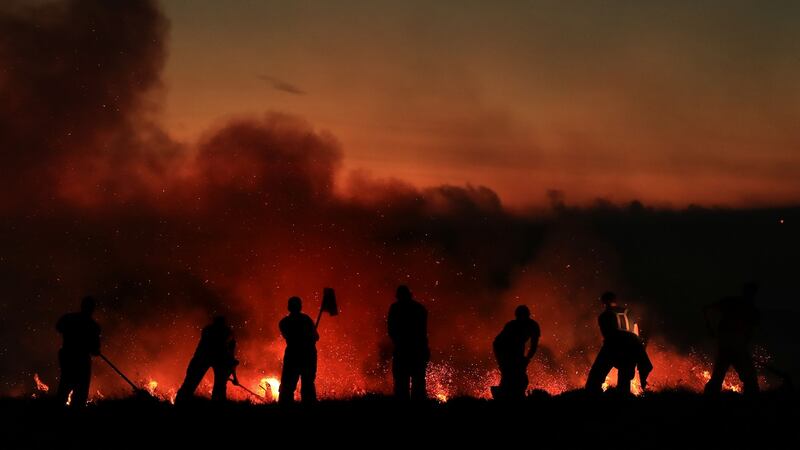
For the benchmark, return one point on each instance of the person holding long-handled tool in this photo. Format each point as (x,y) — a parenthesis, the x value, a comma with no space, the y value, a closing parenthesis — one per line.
(214,351)
(81,335)
(300,357)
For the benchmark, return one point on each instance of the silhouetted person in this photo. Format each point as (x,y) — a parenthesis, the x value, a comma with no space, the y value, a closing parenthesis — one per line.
(621,349)
(408,329)
(81,336)
(300,357)
(214,351)
(738,318)
(509,349)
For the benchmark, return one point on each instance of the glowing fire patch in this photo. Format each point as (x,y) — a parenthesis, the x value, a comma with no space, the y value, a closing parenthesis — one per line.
(271,387)
(440,381)
(151,387)
(636,385)
(726,385)
(40,386)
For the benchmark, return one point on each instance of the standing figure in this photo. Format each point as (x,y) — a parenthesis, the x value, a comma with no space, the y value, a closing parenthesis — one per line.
(509,349)
(738,318)
(621,348)
(214,351)
(300,357)
(81,341)
(408,329)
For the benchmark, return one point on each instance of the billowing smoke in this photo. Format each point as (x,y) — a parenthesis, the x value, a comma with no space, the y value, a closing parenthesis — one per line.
(96,198)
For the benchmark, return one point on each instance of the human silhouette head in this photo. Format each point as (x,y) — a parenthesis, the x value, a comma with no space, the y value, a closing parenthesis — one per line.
(522,312)
(749,290)
(608,298)
(403,293)
(88,305)
(295,305)
(219,321)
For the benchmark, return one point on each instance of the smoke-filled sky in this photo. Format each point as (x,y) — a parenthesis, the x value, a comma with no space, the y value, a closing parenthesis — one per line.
(668,102)
(181,160)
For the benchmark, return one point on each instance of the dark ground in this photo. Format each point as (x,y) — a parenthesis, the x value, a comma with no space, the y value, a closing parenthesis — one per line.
(667,419)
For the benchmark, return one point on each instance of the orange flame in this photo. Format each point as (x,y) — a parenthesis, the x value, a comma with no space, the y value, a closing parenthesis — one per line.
(40,386)
(271,386)
(151,387)
(440,380)
(727,385)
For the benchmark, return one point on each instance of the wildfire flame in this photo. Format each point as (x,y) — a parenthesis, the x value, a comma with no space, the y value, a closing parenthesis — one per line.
(611,381)
(440,380)
(40,386)
(151,387)
(271,386)
(726,384)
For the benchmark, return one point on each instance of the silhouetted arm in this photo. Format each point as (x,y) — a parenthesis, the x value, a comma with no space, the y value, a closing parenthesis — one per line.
(535,334)
(425,322)
(95,344)
(282,328)
(233,361)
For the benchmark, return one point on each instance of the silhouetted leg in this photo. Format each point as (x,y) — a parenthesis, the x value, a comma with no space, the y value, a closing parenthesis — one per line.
(308,389)
(714,385)
(65,383)
(645,366)
(506,376)
(419,390)
(743,364)
(83,376)
(600,368)
(194,375)
(523,381)
(514,379)
(625,374)
(290,375)
(401,375)
(221,375)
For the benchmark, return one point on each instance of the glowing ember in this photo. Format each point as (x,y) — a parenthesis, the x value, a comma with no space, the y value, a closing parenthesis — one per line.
(151,387)
(69,399)
(727,384)
(271,386)
(40,386)
(440,381)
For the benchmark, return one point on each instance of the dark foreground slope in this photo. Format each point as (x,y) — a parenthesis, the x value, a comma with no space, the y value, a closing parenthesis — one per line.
(675,420)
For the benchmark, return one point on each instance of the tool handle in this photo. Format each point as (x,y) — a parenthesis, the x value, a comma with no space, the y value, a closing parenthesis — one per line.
(135,388)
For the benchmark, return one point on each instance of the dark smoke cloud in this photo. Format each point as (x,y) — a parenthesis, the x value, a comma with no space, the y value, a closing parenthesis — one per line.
(74,108)
(96,198)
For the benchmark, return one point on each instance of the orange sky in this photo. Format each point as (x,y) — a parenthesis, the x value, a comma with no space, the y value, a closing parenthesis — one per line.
(666,103)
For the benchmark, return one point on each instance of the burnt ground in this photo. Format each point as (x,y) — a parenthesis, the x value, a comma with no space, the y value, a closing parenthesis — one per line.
(658,420)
